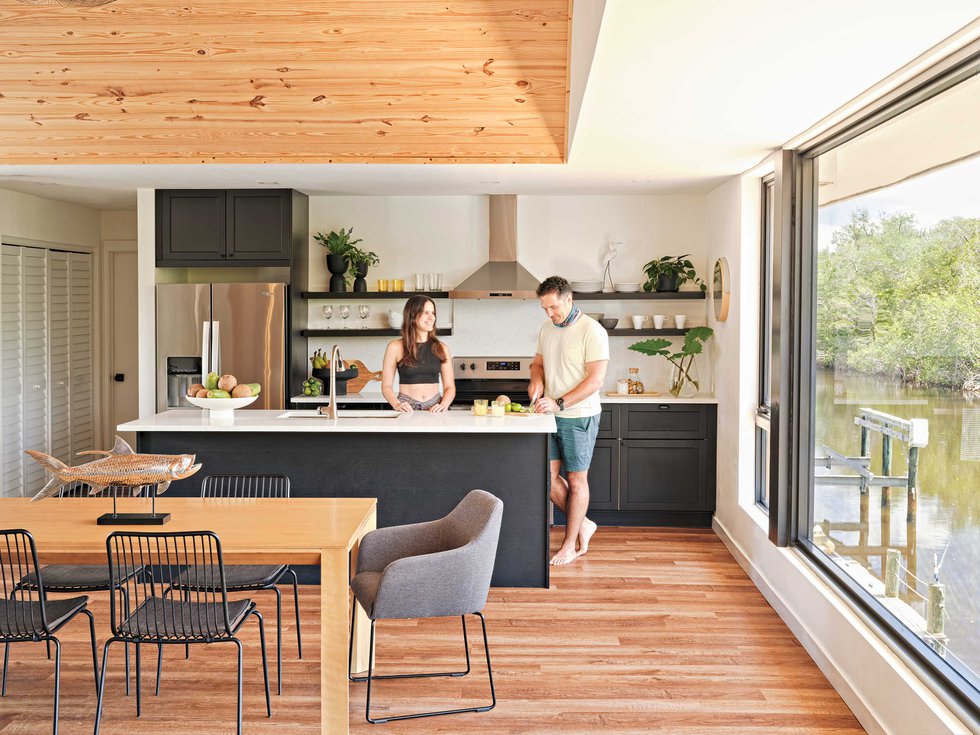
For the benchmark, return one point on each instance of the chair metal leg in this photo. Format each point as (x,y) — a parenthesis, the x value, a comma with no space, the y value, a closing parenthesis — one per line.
(299,635)
(125,606)
(278,639)
(265,663)
(350,659)
(487,708)
(238,645)
(159,668)
(138,682)
(95,648)
(98,705)
(6,664)
(57,681)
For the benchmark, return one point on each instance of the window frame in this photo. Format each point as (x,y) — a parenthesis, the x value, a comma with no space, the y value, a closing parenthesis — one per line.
(763,424)
(794,386)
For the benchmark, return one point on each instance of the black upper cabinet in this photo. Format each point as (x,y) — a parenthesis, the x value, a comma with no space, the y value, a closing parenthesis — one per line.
(198,227)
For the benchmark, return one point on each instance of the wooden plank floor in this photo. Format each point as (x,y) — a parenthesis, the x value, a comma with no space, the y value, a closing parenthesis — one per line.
(655,631)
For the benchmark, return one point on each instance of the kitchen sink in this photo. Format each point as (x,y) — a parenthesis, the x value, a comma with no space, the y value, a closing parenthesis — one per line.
(342,414)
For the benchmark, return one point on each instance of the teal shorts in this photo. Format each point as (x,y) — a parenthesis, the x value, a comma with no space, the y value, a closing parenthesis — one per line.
(574,442)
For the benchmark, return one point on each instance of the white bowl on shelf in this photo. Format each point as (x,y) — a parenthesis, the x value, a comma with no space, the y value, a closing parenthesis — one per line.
(587,286)
(221,406)
(627,287)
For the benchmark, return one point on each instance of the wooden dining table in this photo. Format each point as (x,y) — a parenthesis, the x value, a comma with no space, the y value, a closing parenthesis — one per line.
(319,531)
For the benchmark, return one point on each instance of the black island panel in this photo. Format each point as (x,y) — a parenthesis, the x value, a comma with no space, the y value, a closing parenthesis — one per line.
(416,477)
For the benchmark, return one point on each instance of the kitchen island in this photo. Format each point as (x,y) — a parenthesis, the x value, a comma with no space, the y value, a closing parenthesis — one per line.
(418,466)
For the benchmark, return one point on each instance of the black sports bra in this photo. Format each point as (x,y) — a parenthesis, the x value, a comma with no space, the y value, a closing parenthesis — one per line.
(426,370)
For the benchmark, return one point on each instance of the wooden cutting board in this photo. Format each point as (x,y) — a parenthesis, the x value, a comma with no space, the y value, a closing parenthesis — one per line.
(364,376)
(648,394)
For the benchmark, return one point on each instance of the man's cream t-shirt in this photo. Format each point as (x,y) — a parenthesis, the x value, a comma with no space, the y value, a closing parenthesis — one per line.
(565,351)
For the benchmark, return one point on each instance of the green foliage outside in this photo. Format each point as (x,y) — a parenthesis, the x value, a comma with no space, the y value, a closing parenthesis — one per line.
(896,300)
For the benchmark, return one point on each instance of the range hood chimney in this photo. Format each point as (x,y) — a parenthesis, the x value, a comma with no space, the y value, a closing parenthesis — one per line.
(502,277)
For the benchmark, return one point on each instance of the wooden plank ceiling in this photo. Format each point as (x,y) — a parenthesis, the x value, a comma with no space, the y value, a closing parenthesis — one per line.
(313,81)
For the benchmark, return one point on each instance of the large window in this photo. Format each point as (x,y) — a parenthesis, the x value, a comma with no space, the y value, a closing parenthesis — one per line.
(763,417)
(891,385)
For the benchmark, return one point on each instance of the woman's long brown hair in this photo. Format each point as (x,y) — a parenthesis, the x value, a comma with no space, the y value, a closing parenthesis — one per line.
(413,310)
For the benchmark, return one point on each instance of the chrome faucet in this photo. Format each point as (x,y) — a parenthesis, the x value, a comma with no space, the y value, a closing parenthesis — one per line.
(330,410)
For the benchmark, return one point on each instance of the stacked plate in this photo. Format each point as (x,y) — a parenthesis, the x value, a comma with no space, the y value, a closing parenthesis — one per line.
(627,287)
(587,286)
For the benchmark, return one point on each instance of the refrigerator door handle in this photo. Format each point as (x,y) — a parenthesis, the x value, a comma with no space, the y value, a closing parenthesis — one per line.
(216,347)
(205,350)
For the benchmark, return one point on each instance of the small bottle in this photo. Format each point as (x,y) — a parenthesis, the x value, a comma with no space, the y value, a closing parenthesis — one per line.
(635,386)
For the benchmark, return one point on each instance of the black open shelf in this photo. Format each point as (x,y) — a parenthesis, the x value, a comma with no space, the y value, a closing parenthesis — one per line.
(441,332)
(640,295)
(361,295)
(647,332)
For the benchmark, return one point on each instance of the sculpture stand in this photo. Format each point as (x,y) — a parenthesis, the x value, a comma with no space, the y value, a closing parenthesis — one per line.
(134,519)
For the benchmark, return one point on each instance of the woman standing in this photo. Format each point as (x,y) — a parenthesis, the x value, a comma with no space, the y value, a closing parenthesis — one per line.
(420,359)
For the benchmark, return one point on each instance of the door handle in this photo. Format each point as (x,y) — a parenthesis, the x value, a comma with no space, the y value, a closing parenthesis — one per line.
(205,350)
(119,377)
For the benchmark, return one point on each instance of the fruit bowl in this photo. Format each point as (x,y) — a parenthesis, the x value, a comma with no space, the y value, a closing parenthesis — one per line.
(223,406)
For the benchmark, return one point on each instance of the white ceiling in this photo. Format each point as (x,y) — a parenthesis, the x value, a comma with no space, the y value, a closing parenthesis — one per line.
(682,95)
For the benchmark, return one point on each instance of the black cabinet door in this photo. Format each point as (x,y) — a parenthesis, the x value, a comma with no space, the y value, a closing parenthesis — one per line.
(604,476)
(663,475)
(664,421)
(258,226)
(190,226)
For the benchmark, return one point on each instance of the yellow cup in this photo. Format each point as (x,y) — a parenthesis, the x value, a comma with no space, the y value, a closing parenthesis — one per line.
(398,284)
(382,284)
(480,406)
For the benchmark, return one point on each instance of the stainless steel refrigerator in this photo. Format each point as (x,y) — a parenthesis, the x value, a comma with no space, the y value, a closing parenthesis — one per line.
(237,328)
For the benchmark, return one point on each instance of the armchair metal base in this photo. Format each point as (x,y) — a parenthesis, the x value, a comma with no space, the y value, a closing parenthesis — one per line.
(370,676)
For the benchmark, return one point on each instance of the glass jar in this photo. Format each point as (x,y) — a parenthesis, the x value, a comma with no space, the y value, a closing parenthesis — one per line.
(635,385)
(480,406)
(623,386)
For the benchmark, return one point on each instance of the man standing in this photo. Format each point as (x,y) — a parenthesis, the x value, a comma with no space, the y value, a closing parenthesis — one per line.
(566,376)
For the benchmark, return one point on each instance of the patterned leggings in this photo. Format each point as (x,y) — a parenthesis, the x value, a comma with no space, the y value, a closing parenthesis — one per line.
(419,405)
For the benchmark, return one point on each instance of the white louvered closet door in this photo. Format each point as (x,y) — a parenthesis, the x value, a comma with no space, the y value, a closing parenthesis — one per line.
(36,346)
(11,372)
(82,378)
(59,356)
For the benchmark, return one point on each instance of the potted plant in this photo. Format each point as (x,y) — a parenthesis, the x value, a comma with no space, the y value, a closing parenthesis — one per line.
(338,245)
(359,261)
(669,272)
(685,380)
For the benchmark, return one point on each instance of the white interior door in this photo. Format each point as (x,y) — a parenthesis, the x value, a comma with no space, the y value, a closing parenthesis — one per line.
(82,387)
(59,356)
(123,353)
(11,372)
(36,346)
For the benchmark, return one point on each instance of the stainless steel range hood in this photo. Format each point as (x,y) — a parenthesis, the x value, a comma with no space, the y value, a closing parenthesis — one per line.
(502,277)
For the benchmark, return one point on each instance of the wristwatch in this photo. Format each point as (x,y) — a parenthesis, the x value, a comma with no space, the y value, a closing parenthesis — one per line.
(561,404)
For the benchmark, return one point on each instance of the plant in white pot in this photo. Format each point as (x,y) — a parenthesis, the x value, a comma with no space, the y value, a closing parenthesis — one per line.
(685,379)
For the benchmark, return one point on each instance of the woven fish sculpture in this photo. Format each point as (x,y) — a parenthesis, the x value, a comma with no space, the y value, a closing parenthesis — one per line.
(119,466)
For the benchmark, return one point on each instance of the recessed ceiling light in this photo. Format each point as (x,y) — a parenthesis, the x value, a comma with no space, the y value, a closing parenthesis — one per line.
(489,182)
(270,183)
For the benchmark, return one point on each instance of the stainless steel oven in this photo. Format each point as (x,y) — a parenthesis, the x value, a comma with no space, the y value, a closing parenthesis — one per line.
(489,377)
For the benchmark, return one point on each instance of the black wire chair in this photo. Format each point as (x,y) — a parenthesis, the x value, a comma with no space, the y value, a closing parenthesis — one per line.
(74,578)
(205,615)
(251,577)
(25,614)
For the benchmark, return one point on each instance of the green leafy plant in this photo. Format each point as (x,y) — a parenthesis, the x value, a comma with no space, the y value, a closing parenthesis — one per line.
(671,266)
(337,243)
(356,256)
(682,359)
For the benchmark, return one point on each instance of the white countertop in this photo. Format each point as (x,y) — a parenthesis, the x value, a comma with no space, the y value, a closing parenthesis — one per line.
(420,422)
(376,397)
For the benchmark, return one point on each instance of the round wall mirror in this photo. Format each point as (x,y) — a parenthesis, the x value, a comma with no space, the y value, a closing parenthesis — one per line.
(721,289)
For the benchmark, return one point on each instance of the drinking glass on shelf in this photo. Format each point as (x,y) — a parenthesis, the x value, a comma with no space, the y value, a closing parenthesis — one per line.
(382,284)
(344,313)
(327,312)
(435,281)
(399,285)
(420,282)
(363,311)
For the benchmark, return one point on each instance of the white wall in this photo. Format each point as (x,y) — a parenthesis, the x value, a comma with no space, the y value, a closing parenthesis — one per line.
(118,224)
(564,235)
(28,217)
(881,691)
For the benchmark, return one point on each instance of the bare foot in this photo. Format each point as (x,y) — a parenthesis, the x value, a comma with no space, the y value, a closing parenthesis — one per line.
(585,534)
(564,556)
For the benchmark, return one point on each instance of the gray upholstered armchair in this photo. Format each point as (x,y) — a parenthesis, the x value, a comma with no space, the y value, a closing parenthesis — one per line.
(428,570)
